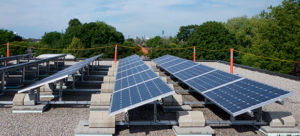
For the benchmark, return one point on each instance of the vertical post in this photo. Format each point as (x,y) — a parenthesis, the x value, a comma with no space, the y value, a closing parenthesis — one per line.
(38,95)
(155,112)
(231,60)
(60,90)
(194,54)
(37,70)
(259,115)
(63,64)
(73,83)
(47,67)
(23,74)
(7,50)
(3,80)
(116,48)
(81,74)
(56,65)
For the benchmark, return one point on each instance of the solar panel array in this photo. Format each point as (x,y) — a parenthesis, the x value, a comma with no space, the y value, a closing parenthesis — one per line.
(16,57)
(136,84)
(61,74)
(31,63)
(234,94)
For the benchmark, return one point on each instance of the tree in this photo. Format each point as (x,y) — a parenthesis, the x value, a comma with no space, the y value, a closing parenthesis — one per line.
(185,32)
(73,30)
(244,29)
(75,44)
(212,36)
(6,36)
(52,39)
(157,41)
(278,38)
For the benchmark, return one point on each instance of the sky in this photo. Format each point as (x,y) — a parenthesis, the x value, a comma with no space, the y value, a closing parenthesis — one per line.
(32,18)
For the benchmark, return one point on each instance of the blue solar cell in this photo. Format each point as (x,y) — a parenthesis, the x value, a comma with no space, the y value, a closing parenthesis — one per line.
(243,94)
(157,60)
(166,60)
(131,71)
(234,94)
(117,85)
(192,72)
(211,80)
(135,95)
(136,84)
(116,101)
(172,63)
(181,66)
(144,92)
(138,78)
(163,87)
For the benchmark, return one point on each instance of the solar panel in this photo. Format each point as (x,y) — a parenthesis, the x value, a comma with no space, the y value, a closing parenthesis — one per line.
(16,57)
(136,85)
(172,63)
(61,74)
(139,95)
(235,94)
(166,60)
(31,63)
(131,71)
(161,58)
(244,95)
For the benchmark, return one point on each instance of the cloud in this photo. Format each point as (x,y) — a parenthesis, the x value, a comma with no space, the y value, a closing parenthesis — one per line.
(31,18)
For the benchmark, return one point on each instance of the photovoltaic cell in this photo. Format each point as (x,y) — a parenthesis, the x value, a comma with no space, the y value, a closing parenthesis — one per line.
(139,95)
(193,72)
(136,84)
(61,74)
(234,94)
(172,63)
(244,95)
(181,66)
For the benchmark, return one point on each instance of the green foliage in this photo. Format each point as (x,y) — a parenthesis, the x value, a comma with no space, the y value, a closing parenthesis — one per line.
(157,41)
(212,36)
(75,44)
(52,39)
(6,36)
(185,32)
(87,35)
(278,37)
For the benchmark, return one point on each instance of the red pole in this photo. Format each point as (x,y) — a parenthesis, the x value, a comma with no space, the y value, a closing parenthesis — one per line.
(7,51)
(194,54)
(116,47)
(231,60)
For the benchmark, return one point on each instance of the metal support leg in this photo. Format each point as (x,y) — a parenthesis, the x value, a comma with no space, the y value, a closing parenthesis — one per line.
(37,95)
(127,118)
(60,90)
(259,115)
(82,74)
(155,112)
(37,70)
(73,83)
(56,64)
(18,60)
(23,74)
(232,118)
(64,62)
(2,81)
(47,67)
